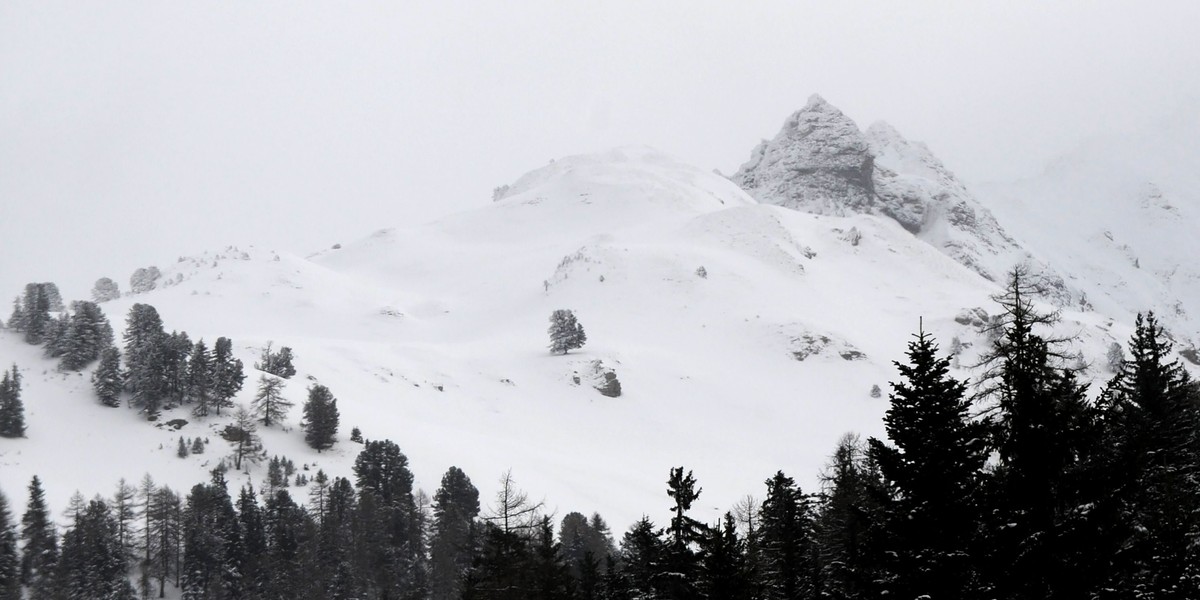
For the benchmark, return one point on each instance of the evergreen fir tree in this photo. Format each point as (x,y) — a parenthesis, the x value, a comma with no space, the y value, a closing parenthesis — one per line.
(254,544)
(145,359)
(54,337)
(278,363)
(723,572)
(851,532)
(182,449)
(12,410)
(105,290)
(10,558)
(643,559)
(35,313)
(566,333)
(39,550)
(17,320)
(1043,428)
(685,533)
(87,334)
(92,564)
(452,548)
(106,379)
(786,534)
(200,380)
(934,468)
(320,420)
(398,560)
(164,534)
(1152,413)
(227,374)
(212,544)
(175,354)
(269,404)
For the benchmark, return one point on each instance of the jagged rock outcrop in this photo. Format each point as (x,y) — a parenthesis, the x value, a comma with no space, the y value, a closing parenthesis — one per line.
(821,162)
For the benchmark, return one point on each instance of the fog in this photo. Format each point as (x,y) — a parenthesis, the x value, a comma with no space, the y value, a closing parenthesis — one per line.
(135,132)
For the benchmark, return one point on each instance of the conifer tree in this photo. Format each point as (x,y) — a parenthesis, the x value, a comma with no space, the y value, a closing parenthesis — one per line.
(1043,427)
(566,333)
(643,562)
(105,290)
(87,334)
(17,320)
(39,550)
(269,404)
(278,363)
(320,420)
(200,380)
(1152,410)
(164,529)
(213,550)
(382,474)
(145,359)
(175,354)
(685,533)
(723,571)
(35,313)
(254,544)
(786,534)
(10,558)
(106,379)
(851,528)
(92,564)
(12,410)
(934,467)
(242,435)
(227,374)
(452,548)
(125,513)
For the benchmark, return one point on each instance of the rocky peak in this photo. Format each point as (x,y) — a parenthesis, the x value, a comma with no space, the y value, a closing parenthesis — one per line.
(818,162)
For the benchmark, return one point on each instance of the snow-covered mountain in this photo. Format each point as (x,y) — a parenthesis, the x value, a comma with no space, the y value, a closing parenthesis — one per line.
(746,335)
(1119,216)
(821,162)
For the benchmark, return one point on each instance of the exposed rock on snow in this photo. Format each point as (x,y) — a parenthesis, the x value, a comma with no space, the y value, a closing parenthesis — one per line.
(820,162)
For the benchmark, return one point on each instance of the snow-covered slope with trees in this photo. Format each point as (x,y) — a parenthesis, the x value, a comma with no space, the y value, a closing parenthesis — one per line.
(746,338)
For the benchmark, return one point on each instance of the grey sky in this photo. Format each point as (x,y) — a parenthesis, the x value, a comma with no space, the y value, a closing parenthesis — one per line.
(134,132)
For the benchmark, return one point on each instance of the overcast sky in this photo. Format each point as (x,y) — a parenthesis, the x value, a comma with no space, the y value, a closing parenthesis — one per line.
(135,132)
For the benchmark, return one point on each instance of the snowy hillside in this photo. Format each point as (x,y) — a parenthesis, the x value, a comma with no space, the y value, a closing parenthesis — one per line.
(1120,215)
(746,338)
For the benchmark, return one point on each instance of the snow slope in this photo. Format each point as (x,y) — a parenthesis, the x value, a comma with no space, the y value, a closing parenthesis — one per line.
(435,337)
(1120,215)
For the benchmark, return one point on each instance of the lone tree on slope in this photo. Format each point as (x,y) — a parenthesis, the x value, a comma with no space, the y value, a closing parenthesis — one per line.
(566,333)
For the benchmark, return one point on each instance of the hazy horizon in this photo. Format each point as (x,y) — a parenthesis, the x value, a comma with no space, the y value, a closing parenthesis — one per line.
(136,133)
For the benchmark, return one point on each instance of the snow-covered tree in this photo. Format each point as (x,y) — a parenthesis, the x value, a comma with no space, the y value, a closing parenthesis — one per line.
(320,421)
(276,363)
(144,279)
(106,379)
(105,290)
(566,333)
(88,332)
(227,374)
(12,411)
